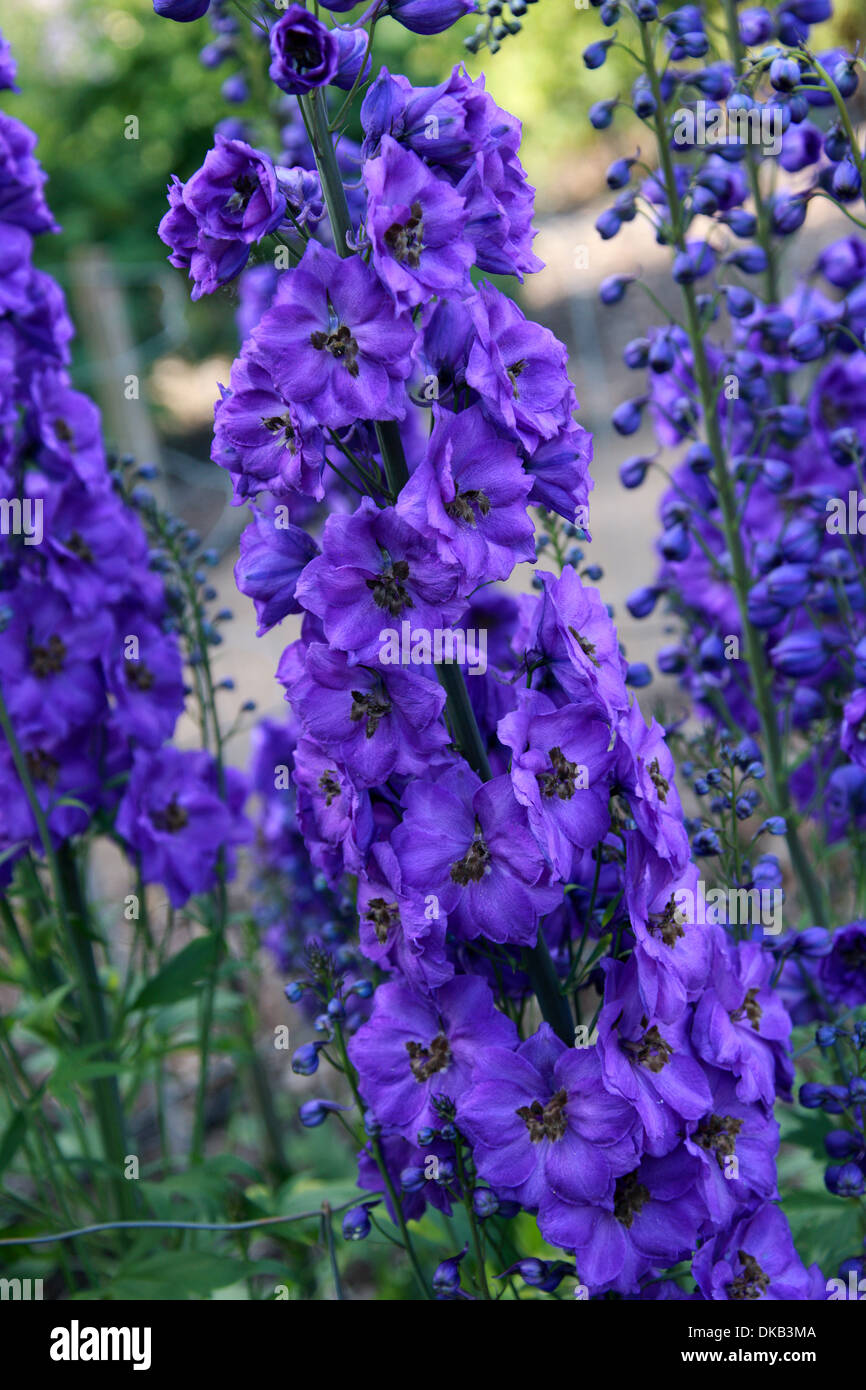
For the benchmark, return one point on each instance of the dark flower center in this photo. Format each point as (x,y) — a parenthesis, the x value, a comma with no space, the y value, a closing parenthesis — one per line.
(514,372)
(465,505)
(383,917)
(244,186)
(389,588)
(365,706)
(281,425)
(48,660)
(751,1009)
(629,1198)
(426,1061)
(139,675)
(301,50)
(80,548)
(752,1282)
(660,783)
(405,240)
(546,1121)
(718,1134)
(42,767)
(651,1051)
(475,862)
(587,647)
(329,785)
(854,953)
(667,924)
(560,780)
(62,430)
(340,343)
(172,819)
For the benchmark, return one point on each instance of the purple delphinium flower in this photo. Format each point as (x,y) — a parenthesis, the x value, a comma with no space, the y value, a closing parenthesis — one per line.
(518,369)
(559,770)
(145,679)
(91,544)
(210,263)
(570,633)
(645,778)
(334,341)
(416,1046)
(652,1221)
(755,1259)
(468,843)
(470,493)
(377,722)
(184,11)
(429,16)
(741,1025)
(265,441)
(304,53)
(735,1144)
(673,950)
(648,1062)
(398,927)
(272,556)
(559,469)
(22,203)
(374,572)
(66,782)
(544,1129)
(415,223)
(66,429)
(458,130)
(853,736)
(48,659)
(843,971)
(334,815)
(353,54)
(7,66)
(172,816)
(235,196)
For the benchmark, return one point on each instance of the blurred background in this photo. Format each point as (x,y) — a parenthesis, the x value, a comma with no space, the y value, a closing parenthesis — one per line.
(94,72)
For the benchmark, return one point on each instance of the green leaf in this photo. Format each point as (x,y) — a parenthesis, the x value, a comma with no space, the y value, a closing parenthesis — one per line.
(13,1137)
(177,1274)
(178,978)
(41,1017)
(78,1067)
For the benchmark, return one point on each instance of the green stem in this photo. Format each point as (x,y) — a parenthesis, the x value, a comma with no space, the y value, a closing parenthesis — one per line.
(106,1093)
(473,1222)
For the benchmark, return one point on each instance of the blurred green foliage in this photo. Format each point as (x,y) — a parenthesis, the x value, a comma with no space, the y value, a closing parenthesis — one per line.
(85,65)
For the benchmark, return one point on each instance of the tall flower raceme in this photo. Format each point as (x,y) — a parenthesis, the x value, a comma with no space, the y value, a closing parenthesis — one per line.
(755,381)
(91,666)
(468,769)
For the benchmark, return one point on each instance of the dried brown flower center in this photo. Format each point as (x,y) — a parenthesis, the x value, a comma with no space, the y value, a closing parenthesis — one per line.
(546,1121)
(424,1061)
